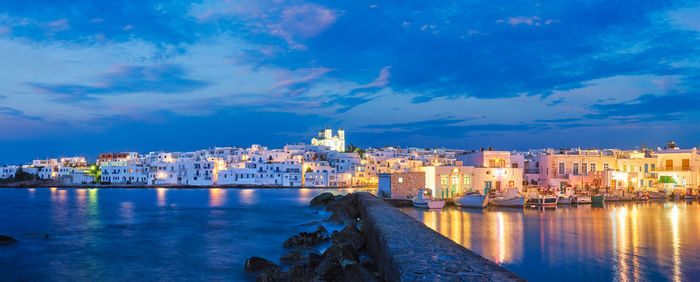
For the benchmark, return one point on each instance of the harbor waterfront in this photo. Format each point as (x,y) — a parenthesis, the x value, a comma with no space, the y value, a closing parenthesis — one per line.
(149,234)
(649,241)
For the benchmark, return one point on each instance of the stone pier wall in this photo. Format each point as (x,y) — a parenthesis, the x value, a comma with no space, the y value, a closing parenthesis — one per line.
(407,250)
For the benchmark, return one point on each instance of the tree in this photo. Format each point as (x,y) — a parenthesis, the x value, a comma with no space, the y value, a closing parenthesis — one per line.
(96,173)
(21,175)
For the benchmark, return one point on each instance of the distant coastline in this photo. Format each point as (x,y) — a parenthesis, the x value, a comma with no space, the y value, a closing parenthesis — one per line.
(43,184)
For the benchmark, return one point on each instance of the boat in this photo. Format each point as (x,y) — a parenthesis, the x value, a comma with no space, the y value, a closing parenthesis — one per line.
(597,199)
(565,197)
(581,199)
(420,201)
(543,201)
(612,198)
(474,200)
(657,195)
(564,200)
(642,196)
(690,195)
(509,199)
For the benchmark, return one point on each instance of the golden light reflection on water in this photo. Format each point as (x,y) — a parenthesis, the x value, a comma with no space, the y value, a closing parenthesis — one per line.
(217,197)
(675,214)
(628,241)
(161,196)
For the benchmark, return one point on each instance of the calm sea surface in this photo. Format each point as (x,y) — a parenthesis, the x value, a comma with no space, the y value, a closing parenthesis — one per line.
(654,241)
(147,234)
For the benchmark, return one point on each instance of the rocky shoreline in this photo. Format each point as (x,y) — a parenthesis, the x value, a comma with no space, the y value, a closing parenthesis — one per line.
(49,184)
(345,260)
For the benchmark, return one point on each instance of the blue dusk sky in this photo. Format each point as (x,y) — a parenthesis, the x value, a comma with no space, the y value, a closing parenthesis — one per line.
(83,77)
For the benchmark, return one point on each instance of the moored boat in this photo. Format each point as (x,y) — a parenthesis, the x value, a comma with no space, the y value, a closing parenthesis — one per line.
(597,199)
(543,201)
(564,200)
(612,198)
(475,200)
(580,199)
(516,202)
(420,201)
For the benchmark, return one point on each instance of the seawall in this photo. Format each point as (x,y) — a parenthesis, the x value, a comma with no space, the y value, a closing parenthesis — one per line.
(407,250)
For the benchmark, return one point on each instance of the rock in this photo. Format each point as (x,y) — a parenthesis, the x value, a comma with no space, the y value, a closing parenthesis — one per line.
(6,240)
(342,252)
(258,264)
(322,199)
(300,272)
(305,239)
(271,275)
(343,210)
(293,258)
(329,270)
(314,259)
(349,235)
(355,272)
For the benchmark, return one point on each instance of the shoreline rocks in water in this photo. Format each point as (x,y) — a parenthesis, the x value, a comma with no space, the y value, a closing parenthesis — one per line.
(342,261)
(306,239)
(6,240)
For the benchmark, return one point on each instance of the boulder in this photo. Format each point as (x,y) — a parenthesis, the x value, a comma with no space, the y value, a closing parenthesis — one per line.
(300,272)
(355,272)
(322,199)
(329,270)
(314,259)
(258,264)
(6,240)
(349,235)
(271,275)
(343,253)
(293,258)
(305,239)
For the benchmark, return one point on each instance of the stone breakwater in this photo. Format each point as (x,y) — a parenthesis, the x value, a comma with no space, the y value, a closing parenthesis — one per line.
(407,250)
(345,260)
(378,242)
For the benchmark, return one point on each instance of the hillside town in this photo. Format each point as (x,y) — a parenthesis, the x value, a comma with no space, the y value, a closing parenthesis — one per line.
(329,162)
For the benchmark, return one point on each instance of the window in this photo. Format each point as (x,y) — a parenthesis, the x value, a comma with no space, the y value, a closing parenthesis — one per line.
(624,167)
(511,184)
(562,168)
(685,163)
(606,166)
(487,184)
(514,165)
(575,169)
(400,179)
(646,167)
(444,181)
(653,167)
(584,168)
(669,164)
(467,180)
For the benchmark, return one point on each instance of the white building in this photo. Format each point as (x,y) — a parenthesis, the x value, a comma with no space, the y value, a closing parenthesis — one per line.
(326,138)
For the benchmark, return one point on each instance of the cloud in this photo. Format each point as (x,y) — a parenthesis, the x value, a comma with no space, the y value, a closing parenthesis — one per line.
(649,107)
(124,79)
(7,111)
(534,20)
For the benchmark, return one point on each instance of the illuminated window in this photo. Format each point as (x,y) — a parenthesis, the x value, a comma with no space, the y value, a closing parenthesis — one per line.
(584,168)
(467,180)
(444,181)
(562,167)
(400,179)
(592,166)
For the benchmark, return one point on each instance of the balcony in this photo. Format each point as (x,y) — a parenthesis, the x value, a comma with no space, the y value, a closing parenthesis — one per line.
(678,168)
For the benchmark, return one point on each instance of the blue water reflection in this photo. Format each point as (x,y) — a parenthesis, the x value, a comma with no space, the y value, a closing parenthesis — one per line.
(147,234)
(630,241)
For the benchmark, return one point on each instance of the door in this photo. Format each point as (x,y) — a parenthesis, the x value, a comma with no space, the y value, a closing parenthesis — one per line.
(498,186)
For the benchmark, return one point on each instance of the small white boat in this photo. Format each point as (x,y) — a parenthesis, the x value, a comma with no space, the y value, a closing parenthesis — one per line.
(509,199)
(475,200)
(543,201)
(564,200)
(420,201)
(517,202)
(582,200)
